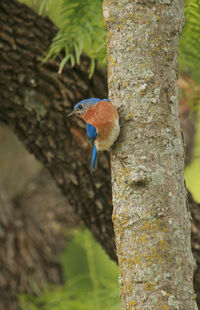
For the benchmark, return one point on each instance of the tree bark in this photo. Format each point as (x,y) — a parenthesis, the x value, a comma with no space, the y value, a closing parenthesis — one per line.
(150,216)
(33,100)
(31,225)
(34,103)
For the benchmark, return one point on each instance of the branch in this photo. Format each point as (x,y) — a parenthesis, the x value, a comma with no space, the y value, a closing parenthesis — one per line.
(34,103)
(31,226)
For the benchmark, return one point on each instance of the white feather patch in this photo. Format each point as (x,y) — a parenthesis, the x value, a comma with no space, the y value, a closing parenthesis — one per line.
(106,144)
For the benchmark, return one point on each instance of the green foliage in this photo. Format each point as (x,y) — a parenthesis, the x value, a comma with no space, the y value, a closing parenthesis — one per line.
(189,48)
(192,171)
(41,6)
(44,6)
(51,8)
(91,280)
(81,30)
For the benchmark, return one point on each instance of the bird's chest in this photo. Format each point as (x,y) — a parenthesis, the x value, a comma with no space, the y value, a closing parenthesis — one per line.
(105,119)
(106,135)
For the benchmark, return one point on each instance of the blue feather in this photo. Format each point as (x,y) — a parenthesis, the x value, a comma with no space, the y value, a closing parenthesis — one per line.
(93,166)
(87,101)
(91,132)
(90,101)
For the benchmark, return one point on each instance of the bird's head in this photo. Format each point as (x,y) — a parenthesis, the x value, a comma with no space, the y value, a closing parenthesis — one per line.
(81,107)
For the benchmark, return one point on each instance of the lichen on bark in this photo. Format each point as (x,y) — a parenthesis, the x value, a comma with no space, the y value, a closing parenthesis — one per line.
(150,216)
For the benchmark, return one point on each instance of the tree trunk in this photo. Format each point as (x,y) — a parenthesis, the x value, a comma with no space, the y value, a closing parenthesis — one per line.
(33,101)
(150,216)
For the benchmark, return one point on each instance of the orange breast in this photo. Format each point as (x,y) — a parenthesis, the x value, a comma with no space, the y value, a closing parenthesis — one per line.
(100,114)
(104,117)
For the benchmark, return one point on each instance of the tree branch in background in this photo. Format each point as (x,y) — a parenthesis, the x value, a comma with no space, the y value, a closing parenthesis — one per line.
(31,226)
(34,103)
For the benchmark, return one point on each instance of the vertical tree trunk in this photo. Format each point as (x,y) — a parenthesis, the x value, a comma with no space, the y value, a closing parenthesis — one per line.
(151,219)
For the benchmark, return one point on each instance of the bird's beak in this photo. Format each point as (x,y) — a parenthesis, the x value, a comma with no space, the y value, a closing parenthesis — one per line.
(70,114)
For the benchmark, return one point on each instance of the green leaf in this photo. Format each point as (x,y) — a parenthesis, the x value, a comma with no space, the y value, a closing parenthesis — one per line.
(189,47)
(81,31)
(91,280)
(63,63)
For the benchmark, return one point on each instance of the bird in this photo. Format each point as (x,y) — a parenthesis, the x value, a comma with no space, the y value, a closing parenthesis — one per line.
(102,124)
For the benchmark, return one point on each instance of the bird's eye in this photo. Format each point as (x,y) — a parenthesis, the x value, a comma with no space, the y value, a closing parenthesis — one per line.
(80,107)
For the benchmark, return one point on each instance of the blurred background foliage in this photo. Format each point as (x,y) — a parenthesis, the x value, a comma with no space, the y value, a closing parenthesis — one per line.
(192,172)
(189,47)
(91,280)
(90,276)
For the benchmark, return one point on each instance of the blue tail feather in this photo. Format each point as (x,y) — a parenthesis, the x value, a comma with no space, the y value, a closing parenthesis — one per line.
(93,166)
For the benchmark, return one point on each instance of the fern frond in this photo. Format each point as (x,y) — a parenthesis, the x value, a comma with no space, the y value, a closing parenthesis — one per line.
(189,48)
(81,31)
(41,6)
(44,6)
(91,280)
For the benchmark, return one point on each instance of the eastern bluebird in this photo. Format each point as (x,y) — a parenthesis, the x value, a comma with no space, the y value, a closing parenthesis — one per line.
(102,124)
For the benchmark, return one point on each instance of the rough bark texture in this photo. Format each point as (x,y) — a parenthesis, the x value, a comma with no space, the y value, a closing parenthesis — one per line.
(150,216)
(34,101)
(32,105)
(30,228)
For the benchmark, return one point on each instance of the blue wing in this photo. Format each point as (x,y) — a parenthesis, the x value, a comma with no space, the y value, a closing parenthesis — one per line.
(91,132)
(93,166)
